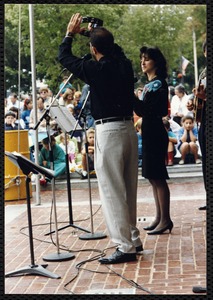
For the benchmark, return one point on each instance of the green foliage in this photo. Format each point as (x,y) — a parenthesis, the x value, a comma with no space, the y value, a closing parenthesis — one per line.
(165,26)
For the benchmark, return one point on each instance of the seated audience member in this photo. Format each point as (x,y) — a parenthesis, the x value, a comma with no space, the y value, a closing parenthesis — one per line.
(13,101)
(70,147)
(179,104)
(10,119)
(40,112)
(78,133)
(70,107)
(187,138)
(25,116)
(173,125)
(59,161)
(91,148)
(67,98)
(172,142)
(76,103)
(19,122)
(44,93)
(139,135)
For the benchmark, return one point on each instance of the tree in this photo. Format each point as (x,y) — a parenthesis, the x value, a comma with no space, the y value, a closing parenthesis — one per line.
(165,26)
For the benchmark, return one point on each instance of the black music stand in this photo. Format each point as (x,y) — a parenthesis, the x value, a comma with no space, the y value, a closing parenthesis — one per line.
(66,122)
(27,167)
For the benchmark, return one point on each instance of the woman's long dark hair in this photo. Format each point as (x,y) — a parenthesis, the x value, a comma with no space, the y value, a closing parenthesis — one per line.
(155,54)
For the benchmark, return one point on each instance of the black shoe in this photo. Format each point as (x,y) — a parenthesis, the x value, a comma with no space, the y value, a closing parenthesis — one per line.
(118,257)
(151,227)
(202,208)
(162,230)
(139,248)
(199,289)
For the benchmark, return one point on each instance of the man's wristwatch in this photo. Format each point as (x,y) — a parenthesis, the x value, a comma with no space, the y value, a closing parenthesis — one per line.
(70,34)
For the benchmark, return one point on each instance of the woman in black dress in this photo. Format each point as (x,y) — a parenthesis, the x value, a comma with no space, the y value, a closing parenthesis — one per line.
(152,106)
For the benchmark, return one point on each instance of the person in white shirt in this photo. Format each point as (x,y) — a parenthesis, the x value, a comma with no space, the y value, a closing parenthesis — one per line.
(179,104)
(14,102)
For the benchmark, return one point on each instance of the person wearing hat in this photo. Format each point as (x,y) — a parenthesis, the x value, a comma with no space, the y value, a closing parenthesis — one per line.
(10,118)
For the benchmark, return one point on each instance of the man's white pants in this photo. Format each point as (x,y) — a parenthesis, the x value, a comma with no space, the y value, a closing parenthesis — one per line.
(116,164)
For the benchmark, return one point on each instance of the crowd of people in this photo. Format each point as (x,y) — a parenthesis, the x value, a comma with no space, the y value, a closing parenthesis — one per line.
(116,144)
(20,114)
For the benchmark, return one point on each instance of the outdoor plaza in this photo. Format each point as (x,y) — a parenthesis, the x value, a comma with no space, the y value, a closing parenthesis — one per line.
(171,264)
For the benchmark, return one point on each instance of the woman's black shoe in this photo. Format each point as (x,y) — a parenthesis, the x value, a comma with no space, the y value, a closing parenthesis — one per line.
(151,227)
(162,230)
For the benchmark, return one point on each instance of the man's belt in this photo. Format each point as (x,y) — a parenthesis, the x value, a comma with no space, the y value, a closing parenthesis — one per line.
(113,119)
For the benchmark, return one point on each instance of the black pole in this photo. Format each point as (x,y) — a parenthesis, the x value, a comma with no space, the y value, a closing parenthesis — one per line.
(27,180)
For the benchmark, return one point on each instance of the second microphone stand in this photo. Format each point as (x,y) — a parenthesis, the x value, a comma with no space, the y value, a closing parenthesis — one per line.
(90,235)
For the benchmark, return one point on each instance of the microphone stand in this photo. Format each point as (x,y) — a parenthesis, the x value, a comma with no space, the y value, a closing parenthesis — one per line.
(90,235)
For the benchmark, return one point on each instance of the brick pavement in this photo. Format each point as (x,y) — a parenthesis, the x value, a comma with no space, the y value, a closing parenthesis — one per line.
(171,264)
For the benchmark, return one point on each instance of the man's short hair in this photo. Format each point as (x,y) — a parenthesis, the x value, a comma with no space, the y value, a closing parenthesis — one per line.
(102,40)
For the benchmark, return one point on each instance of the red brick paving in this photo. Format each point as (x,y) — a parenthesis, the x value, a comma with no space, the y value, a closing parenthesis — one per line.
(170,264)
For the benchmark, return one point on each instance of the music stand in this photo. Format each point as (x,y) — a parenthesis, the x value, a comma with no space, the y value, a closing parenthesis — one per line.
(66,122)
(27,167)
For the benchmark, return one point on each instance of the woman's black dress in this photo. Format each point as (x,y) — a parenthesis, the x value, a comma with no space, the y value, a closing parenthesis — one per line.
(152,106)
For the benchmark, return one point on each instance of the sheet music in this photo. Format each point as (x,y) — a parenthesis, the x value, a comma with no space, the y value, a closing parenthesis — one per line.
(14,156)
(64,118)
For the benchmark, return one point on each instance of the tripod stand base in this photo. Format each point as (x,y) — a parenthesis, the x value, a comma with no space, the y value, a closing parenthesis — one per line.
(58,257)
(70,225)
(92,236)
(34,270)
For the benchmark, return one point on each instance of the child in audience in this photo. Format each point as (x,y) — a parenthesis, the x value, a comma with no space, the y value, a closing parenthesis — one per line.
(19,122)
(70,147)
(171,146)
(9,123)
(90,144)
(187,137)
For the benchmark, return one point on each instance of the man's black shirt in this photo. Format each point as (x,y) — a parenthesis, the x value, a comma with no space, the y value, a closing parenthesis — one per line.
(111,81)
